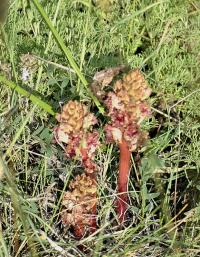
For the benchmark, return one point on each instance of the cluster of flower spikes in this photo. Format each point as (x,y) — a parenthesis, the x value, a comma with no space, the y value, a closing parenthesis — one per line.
(80,142)
(127,108)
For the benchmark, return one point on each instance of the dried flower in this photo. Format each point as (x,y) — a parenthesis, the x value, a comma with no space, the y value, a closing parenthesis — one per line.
(79,205)
(28,61)
(103,78)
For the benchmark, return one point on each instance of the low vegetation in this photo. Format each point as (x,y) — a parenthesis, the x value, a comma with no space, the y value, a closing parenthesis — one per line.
(49,54)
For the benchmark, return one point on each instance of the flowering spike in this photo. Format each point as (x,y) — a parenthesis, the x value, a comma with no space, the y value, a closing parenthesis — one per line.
(79,205)
(127,108)
(74,130)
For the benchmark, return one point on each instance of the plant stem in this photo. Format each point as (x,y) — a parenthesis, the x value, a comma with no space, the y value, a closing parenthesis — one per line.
(124,165)
(93,226)
(36,100)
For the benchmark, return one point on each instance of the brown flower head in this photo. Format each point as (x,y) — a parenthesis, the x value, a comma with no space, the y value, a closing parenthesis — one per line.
(127,108)
(79,205)
(71,118)
(133,87)
(75,118)
(74,128)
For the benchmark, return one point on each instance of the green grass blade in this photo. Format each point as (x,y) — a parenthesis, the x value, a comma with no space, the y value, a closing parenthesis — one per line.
(17,202)
(67,52)
(60,42)
(36,100)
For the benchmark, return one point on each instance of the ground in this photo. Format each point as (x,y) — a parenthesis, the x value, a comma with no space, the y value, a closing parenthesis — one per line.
(162,39)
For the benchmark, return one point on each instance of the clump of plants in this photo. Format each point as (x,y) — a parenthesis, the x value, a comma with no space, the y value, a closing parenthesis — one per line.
(80,141)
(126,107)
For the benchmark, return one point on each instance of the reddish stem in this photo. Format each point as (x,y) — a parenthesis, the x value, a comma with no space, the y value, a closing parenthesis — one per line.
(124,165)
(93,226)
